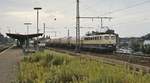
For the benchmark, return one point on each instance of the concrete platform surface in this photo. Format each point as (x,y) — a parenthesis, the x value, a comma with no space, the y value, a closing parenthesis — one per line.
(9,60)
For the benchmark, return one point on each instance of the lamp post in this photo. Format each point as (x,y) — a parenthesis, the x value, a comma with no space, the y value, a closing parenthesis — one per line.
(27,24)
(37,9)
(27,40)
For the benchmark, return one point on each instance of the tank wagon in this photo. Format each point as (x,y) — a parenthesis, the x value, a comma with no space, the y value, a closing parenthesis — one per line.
(100,42)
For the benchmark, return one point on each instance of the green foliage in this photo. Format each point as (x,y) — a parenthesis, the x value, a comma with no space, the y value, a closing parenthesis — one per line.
(146,49)
(136,46)
(146,37)
(53,67)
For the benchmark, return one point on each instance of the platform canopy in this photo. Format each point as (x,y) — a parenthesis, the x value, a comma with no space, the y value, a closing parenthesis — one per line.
(22,36)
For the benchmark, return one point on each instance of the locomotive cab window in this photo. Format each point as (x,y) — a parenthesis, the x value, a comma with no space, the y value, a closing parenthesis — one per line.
(90,38)
(97,38)
(85,38)
(100,37)
(93,38)
(113,37)
(106,37)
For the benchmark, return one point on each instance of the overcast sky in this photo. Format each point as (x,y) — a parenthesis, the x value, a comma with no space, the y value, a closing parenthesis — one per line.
(130,17)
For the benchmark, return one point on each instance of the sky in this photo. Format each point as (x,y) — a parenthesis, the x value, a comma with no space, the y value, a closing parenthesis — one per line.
(131,18)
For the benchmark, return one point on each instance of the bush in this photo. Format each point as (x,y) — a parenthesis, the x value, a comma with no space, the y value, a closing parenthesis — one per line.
(53,67)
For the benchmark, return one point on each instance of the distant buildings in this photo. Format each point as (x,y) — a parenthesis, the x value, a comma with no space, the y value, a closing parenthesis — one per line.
(146,46)
(128,42)
(137,44)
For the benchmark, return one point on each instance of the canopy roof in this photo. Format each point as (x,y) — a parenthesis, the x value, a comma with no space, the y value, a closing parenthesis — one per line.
(22,36)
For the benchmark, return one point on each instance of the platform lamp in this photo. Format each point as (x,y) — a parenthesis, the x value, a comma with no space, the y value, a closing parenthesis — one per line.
(27,24)
(37,9)
(27,41)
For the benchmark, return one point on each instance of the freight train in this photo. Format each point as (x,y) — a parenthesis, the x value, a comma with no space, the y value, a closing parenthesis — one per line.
(95,41)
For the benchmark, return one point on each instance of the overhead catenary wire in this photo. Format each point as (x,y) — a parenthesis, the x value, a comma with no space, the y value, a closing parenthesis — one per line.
(121,9)
(131,6)
(87,7)
(133,22)
(118,10)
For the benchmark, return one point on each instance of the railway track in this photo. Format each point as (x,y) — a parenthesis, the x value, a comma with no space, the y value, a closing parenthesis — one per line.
(141,60)
(4,47)
(134,63)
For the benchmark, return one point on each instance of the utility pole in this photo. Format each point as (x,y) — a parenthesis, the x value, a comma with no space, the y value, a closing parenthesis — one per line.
(78,42)
(101,24)
(101,18)
(44,29)
(55,33)
(77,49)
(68,33)
(9,30)
(0,30)
(68,36)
